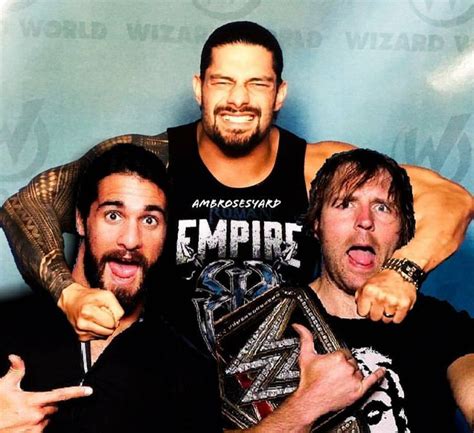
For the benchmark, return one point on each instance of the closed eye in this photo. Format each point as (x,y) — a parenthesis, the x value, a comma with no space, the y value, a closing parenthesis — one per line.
(221,81)
(261,84)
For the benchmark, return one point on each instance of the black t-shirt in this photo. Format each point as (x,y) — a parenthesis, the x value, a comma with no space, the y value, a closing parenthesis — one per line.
(230,245)
(417,354)
(148,379)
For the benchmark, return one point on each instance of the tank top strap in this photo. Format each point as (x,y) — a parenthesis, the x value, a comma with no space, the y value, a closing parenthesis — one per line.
(182,143)
(291,151)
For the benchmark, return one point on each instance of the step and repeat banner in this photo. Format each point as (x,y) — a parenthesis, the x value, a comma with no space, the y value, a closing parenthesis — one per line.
(395,76)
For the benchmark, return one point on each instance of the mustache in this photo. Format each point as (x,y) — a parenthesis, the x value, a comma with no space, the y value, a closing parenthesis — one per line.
(245,109)
(125,257)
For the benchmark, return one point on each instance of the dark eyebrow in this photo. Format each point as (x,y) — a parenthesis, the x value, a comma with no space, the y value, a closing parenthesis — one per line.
(264,78)
(220,77)
(381,201)
(116,203)
(119,204)
(343,198)
(154,207)
(225,77)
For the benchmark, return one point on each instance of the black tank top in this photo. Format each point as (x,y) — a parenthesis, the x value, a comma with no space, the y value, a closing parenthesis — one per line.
(232,244)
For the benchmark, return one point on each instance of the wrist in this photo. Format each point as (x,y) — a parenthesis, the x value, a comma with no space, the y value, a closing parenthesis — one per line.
(303,410)
(407,269)
(54,273)
(67,294)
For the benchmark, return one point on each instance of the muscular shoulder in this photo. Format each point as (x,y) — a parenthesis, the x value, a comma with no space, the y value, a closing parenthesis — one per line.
(317,153)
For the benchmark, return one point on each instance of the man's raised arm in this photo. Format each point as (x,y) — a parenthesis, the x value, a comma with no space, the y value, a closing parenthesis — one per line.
(443,211)
(35,218)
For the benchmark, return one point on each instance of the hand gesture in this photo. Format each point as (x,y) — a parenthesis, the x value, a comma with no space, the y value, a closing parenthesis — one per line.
(328,382)
(93,313)
(386,296)
(29,412)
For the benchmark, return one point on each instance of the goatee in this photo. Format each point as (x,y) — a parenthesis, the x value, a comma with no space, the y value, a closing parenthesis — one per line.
(94,270)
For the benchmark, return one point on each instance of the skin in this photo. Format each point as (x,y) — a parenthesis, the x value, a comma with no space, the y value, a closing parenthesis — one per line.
(433,242)
(128,217)
(461,380)
(327,383)
(365,221)
(357,234)
(240,80)
(125,229)
(242,67)
(22,411)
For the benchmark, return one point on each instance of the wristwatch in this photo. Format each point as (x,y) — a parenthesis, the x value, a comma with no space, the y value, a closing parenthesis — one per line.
(409,270)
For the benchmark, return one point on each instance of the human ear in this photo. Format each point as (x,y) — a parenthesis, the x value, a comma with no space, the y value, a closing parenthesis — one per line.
(197,87)
(80,224)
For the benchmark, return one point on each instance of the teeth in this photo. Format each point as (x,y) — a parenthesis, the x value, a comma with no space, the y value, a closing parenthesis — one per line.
(237,119)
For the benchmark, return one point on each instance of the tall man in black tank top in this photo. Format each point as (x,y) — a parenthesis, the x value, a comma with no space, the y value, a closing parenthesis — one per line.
(240,186)
(232,244)
(239,189)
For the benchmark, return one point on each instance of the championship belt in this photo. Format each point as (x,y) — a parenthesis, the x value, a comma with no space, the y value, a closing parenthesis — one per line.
(257,352)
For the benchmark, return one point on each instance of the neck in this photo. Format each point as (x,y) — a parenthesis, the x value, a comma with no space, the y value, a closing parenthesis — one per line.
(336,301)
(99,345)
(243,171)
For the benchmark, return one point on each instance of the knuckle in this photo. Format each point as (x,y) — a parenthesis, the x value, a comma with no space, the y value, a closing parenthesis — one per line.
(404,304)
(36,416)
(81,323)
(86,312)
(339,357)
(108,296)
(368,290)
(392,300)
(381,296)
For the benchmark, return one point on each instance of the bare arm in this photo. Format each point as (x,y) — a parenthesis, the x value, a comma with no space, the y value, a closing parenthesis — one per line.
(22,411)
(328,383)
(443,211)
(35,217)
(461,379)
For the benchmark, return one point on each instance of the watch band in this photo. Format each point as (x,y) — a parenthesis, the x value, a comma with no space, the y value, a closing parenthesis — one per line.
(409,270)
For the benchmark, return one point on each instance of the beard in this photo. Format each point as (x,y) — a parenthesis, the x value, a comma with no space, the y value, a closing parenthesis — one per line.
(237,143)
(128,298)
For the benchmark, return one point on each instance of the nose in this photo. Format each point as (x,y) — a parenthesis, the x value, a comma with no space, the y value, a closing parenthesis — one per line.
(238,95)
(364,219)
(130,236)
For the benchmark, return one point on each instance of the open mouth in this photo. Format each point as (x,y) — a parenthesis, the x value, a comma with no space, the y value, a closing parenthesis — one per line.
(362,255)
(123,270)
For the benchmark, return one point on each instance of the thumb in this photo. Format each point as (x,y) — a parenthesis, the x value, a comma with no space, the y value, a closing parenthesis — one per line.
(306,340)
(16,372)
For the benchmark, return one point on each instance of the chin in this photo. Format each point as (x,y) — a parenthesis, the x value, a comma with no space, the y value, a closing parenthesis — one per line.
(352,286)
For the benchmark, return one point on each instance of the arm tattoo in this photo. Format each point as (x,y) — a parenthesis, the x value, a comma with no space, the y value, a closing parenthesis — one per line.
(35,218)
